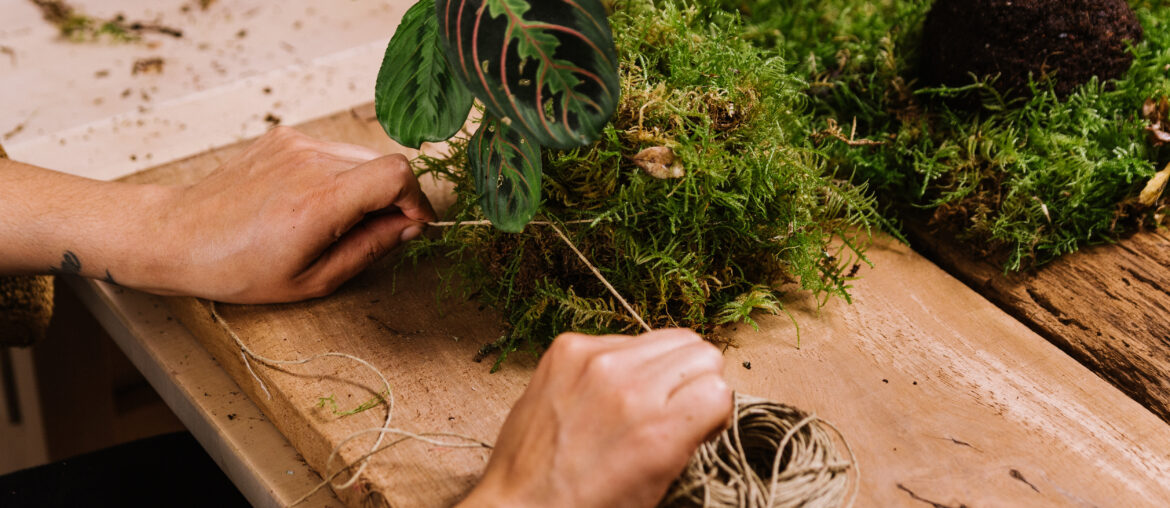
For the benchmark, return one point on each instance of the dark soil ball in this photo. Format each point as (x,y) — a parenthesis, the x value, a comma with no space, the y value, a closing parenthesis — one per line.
(1068,41)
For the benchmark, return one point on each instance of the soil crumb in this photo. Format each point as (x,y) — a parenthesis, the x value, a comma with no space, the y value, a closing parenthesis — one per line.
(1067,41)
(153,65)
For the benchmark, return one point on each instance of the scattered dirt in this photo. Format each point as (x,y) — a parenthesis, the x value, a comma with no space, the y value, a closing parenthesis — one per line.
(15,130)
(1068,41)
(152,65)
(272,119)
(77,26)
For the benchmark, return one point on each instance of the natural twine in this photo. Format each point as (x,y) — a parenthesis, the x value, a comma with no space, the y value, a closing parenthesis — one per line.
(247,354)
(772,456)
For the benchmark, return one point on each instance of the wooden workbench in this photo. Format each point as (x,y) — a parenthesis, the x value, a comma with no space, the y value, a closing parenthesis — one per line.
(945,398)
(1108,306)
(948,400)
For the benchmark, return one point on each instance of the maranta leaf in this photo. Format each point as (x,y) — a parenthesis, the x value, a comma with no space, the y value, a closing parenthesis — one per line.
(417,97)
(506,168)
(547,65)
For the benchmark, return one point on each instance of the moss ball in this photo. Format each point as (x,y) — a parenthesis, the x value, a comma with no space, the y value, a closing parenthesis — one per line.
(1067,41)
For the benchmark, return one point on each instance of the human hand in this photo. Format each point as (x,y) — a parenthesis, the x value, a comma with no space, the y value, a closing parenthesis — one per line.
(288,219)
(607,421)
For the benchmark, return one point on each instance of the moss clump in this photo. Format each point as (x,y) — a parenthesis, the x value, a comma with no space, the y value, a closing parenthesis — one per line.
(757,211)
(1022,179)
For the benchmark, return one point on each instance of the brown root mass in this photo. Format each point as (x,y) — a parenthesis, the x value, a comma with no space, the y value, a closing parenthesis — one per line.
(1067,41)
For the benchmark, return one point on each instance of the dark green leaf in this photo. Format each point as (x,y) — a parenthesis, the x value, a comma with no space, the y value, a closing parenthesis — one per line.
(549,65)
(506,168)
(417,98)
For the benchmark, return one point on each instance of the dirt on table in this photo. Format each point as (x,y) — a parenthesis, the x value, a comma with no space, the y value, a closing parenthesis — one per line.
(1068,41)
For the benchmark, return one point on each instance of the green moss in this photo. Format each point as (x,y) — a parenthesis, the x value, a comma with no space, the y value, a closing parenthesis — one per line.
(77,26)
(1026,180)
(759,211)
(330,402)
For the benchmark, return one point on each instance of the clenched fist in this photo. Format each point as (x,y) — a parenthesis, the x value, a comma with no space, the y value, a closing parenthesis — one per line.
(607,421)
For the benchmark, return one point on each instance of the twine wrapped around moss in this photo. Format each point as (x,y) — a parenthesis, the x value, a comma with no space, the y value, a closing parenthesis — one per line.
(703,201)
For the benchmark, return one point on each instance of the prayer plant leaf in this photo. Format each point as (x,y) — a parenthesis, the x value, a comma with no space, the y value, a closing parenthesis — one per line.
(417,98)
(506,168)
(549,66)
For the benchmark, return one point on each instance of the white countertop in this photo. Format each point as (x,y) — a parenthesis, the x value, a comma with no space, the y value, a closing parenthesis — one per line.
(79,108)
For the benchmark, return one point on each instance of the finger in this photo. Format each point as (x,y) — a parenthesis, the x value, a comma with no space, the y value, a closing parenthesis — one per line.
(667,373)
(702,407)
(360,247)
(627,359)
(385,182)
(284,140)
(569,354)
(648,346)
(348,151)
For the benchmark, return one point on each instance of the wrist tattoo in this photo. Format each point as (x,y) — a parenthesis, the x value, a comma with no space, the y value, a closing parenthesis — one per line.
(110,278)
(70,265)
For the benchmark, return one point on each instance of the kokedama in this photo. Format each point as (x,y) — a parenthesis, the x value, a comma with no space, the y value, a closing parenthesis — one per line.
(700,198)
(1022,177)
(1013,41)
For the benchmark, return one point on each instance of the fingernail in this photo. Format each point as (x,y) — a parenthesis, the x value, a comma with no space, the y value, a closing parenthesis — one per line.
(410,233)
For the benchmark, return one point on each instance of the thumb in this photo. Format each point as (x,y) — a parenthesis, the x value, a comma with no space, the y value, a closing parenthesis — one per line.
(363,245)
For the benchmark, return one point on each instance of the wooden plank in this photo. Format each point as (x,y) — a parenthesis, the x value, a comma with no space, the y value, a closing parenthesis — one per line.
(258,459)
(945,398)
(1108,306)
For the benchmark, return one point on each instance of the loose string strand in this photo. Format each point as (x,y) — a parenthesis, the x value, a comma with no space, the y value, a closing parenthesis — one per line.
(247,353)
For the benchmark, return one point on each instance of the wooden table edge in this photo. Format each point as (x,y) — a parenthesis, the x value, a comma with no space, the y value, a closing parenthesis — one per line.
(255,470)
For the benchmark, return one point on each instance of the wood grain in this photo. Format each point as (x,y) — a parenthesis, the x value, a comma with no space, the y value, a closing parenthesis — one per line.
(946,399)
(1108,306)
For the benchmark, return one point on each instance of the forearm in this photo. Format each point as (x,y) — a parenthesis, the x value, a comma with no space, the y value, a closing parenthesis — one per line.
(287,219)
(52,222)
